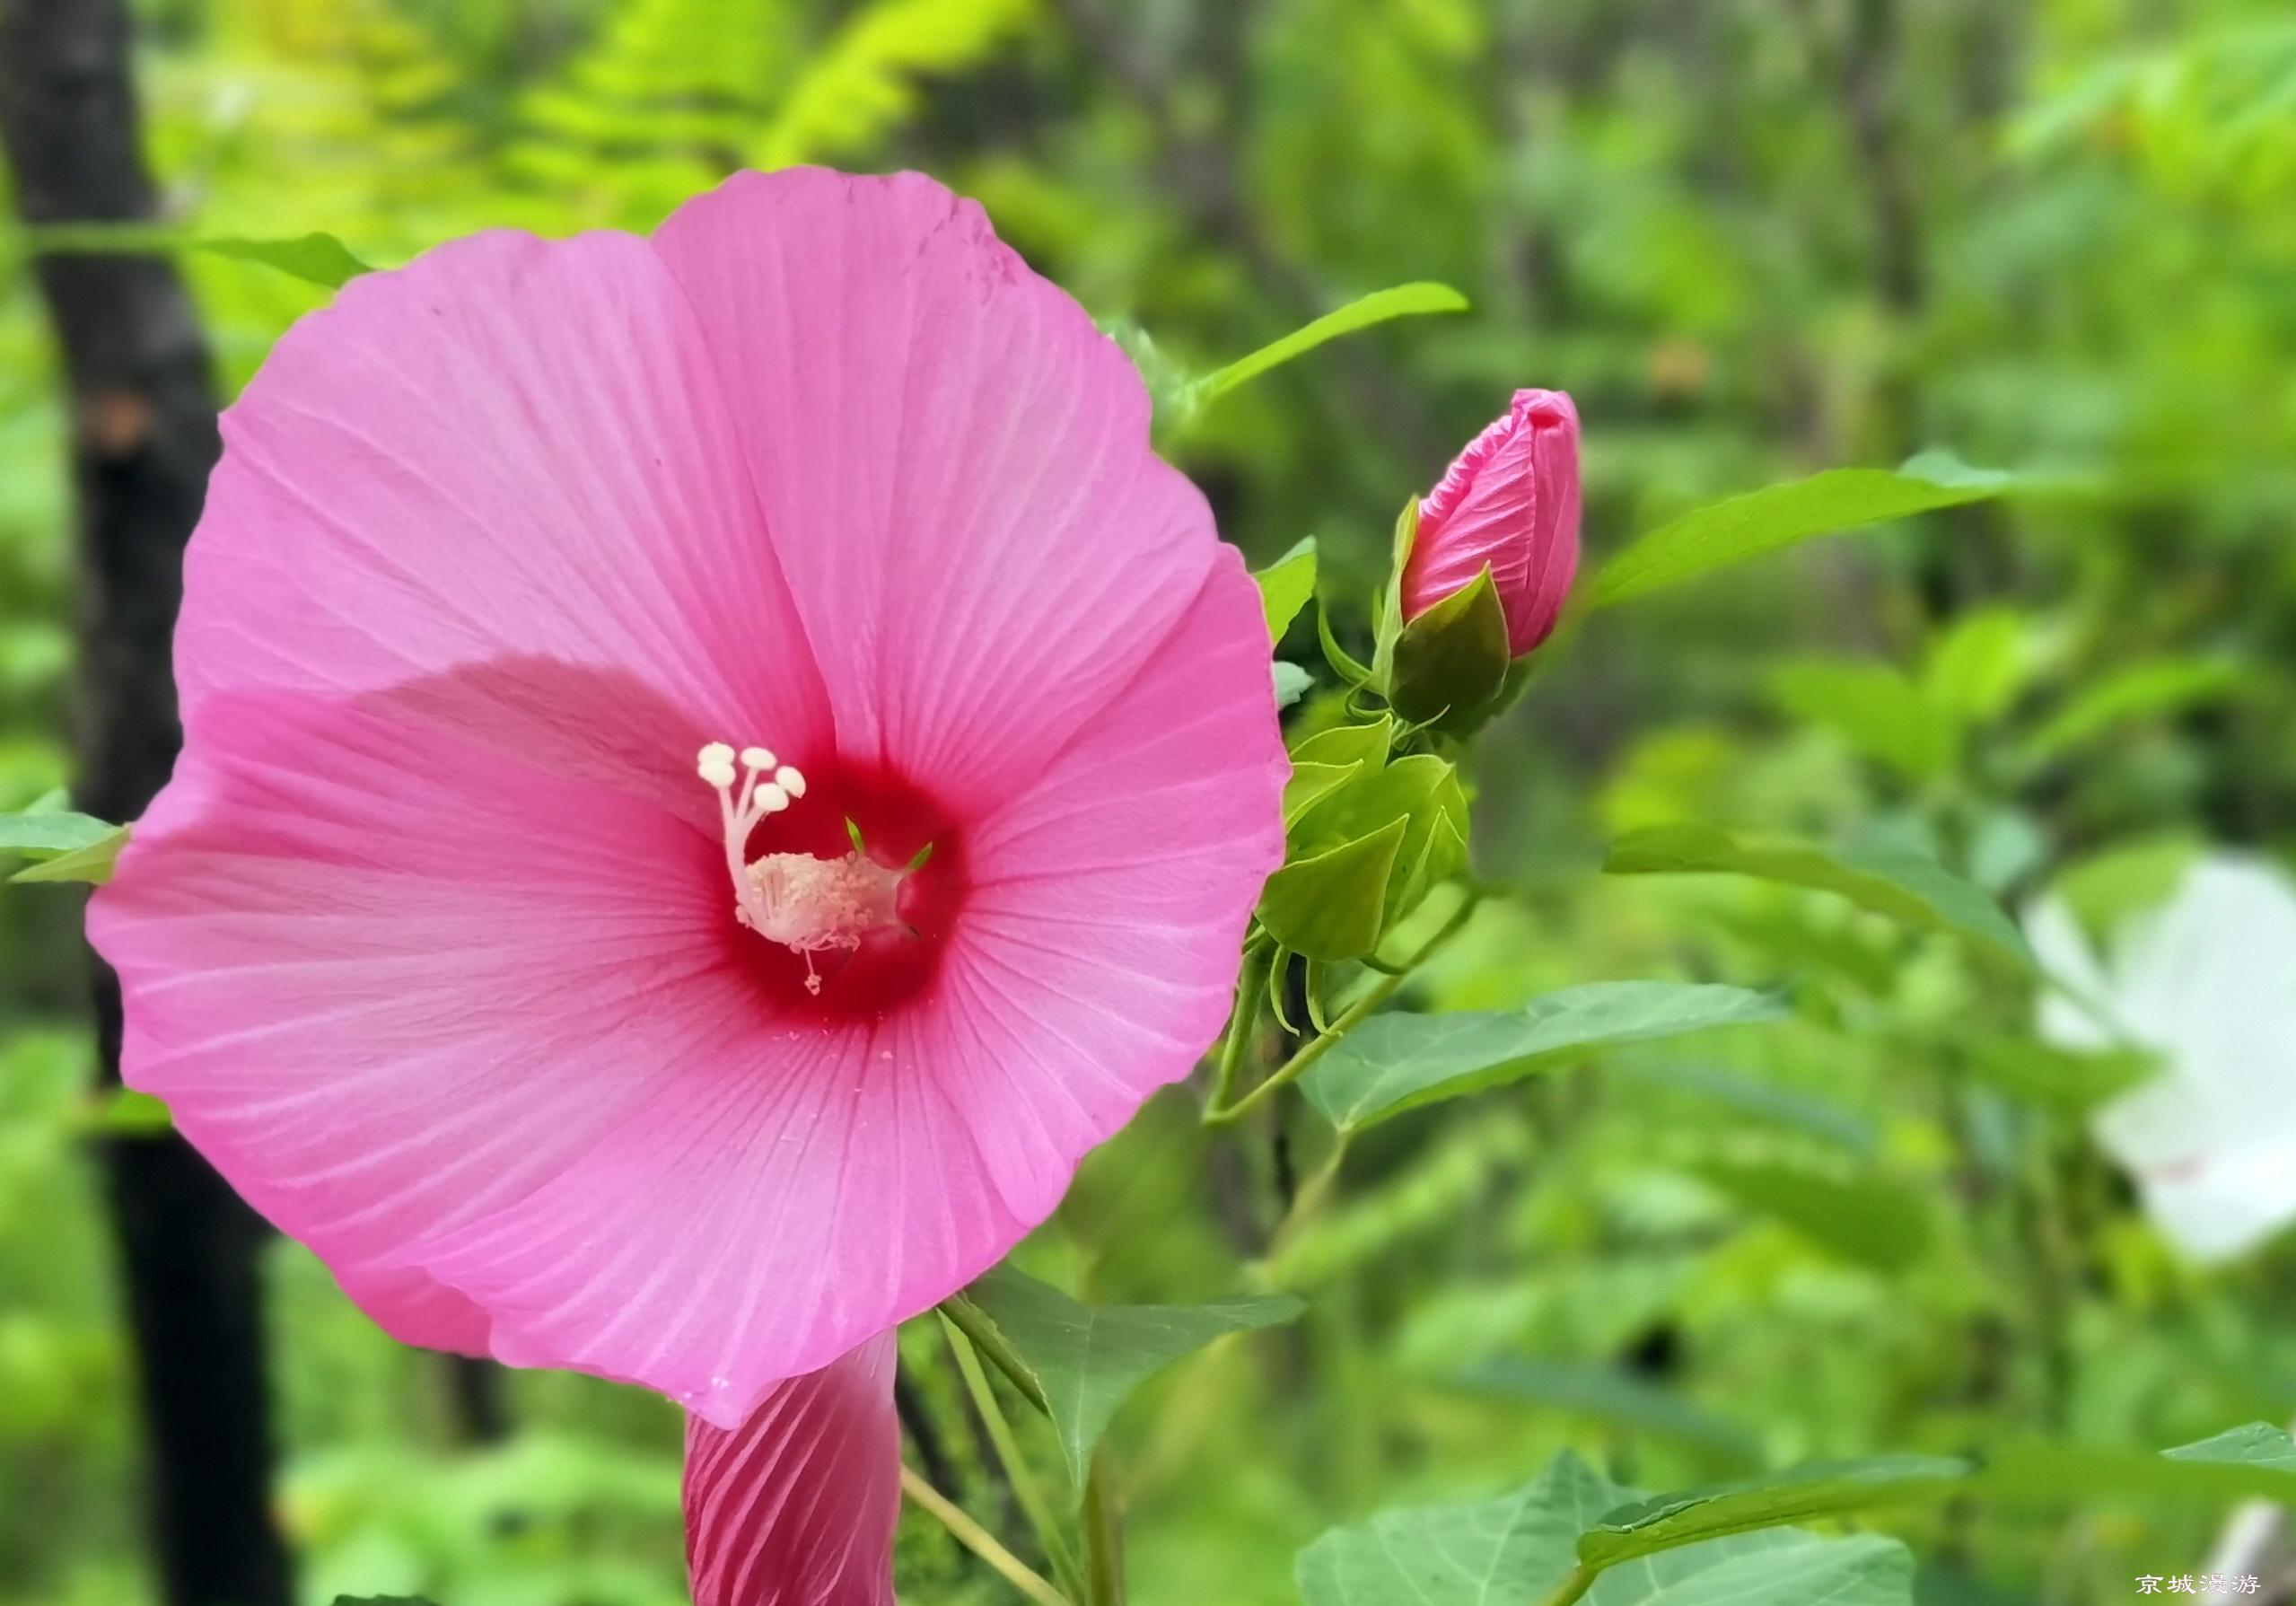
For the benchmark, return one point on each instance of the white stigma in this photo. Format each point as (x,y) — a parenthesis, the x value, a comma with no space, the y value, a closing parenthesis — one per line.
(807,905)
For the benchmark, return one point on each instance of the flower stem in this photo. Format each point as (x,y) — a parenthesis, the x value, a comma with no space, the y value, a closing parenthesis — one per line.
(1221,1114)
(1103,1541)
(1016,1469)
(980,1542)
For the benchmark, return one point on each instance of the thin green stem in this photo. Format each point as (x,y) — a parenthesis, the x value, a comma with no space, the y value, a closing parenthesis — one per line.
(974,1322)
(1251,987)
(1575,1583)
(981,1542)
(1016,1467)
(1221,1114)
(1103,1541)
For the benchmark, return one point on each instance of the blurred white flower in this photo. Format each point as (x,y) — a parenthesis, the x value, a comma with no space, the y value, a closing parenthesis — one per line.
(2207,981)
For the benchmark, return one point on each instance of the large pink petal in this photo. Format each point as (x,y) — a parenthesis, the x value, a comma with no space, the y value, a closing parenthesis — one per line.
(1098,954)
(954,465)
(395,963)
(768,1205)
(797,1506)
(512,446)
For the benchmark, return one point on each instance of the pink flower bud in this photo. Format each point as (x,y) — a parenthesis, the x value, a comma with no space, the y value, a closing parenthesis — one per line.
(1511,502)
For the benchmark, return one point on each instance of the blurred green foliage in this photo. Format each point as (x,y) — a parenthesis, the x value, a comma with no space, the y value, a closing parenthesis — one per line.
(1755,240)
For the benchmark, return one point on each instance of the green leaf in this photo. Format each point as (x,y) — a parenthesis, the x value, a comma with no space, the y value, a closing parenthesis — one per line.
(1403,301)
(1978,667)
(315,259)
(1311,782)
(1512,1551)
(1423,792)
(380,1601)
(1766,519)
(1905,886)
(1450,662)
(2256,1460)
(2168,686)
(1859,1217)
(64,845)
(123,1110)
(1606,1395)
(1819,1489)
(861,80)
(1392,1063)
(2055,1078)
(1332,905)
(1366,744)
(92,863)
(51,831)
(1519,1549)
(1286,585)
(1877,710)
(1088,1358)
(2251,1444)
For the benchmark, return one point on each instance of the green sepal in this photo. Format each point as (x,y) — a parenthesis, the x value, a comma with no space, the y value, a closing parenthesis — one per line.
(1343,663)
(1391,601)
(1287,586)
(1450,664)
(1331,905)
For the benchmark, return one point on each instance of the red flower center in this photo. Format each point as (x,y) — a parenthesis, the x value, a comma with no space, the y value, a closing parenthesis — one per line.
(842,887)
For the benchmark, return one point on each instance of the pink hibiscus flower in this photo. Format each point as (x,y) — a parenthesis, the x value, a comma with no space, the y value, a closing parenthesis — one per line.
(583,643)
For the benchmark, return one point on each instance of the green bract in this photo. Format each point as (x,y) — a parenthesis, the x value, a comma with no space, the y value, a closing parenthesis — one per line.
(1367,837)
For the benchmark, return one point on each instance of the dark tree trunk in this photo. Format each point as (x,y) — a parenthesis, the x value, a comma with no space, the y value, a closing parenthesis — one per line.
(142,439)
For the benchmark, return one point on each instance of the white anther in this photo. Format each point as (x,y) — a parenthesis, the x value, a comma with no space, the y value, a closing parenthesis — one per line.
(768,799)
(790,781)
(758,758)
(716,770)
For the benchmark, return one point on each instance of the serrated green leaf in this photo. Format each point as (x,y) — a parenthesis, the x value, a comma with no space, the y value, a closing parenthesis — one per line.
(1332,905)
(1286,586)
(1505,1552)
(862,79)
(1519,1549)
(1818,1490)
(1905,886)
(1392,1063)
(1764,521)
(1402,301)
(1087,1358)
